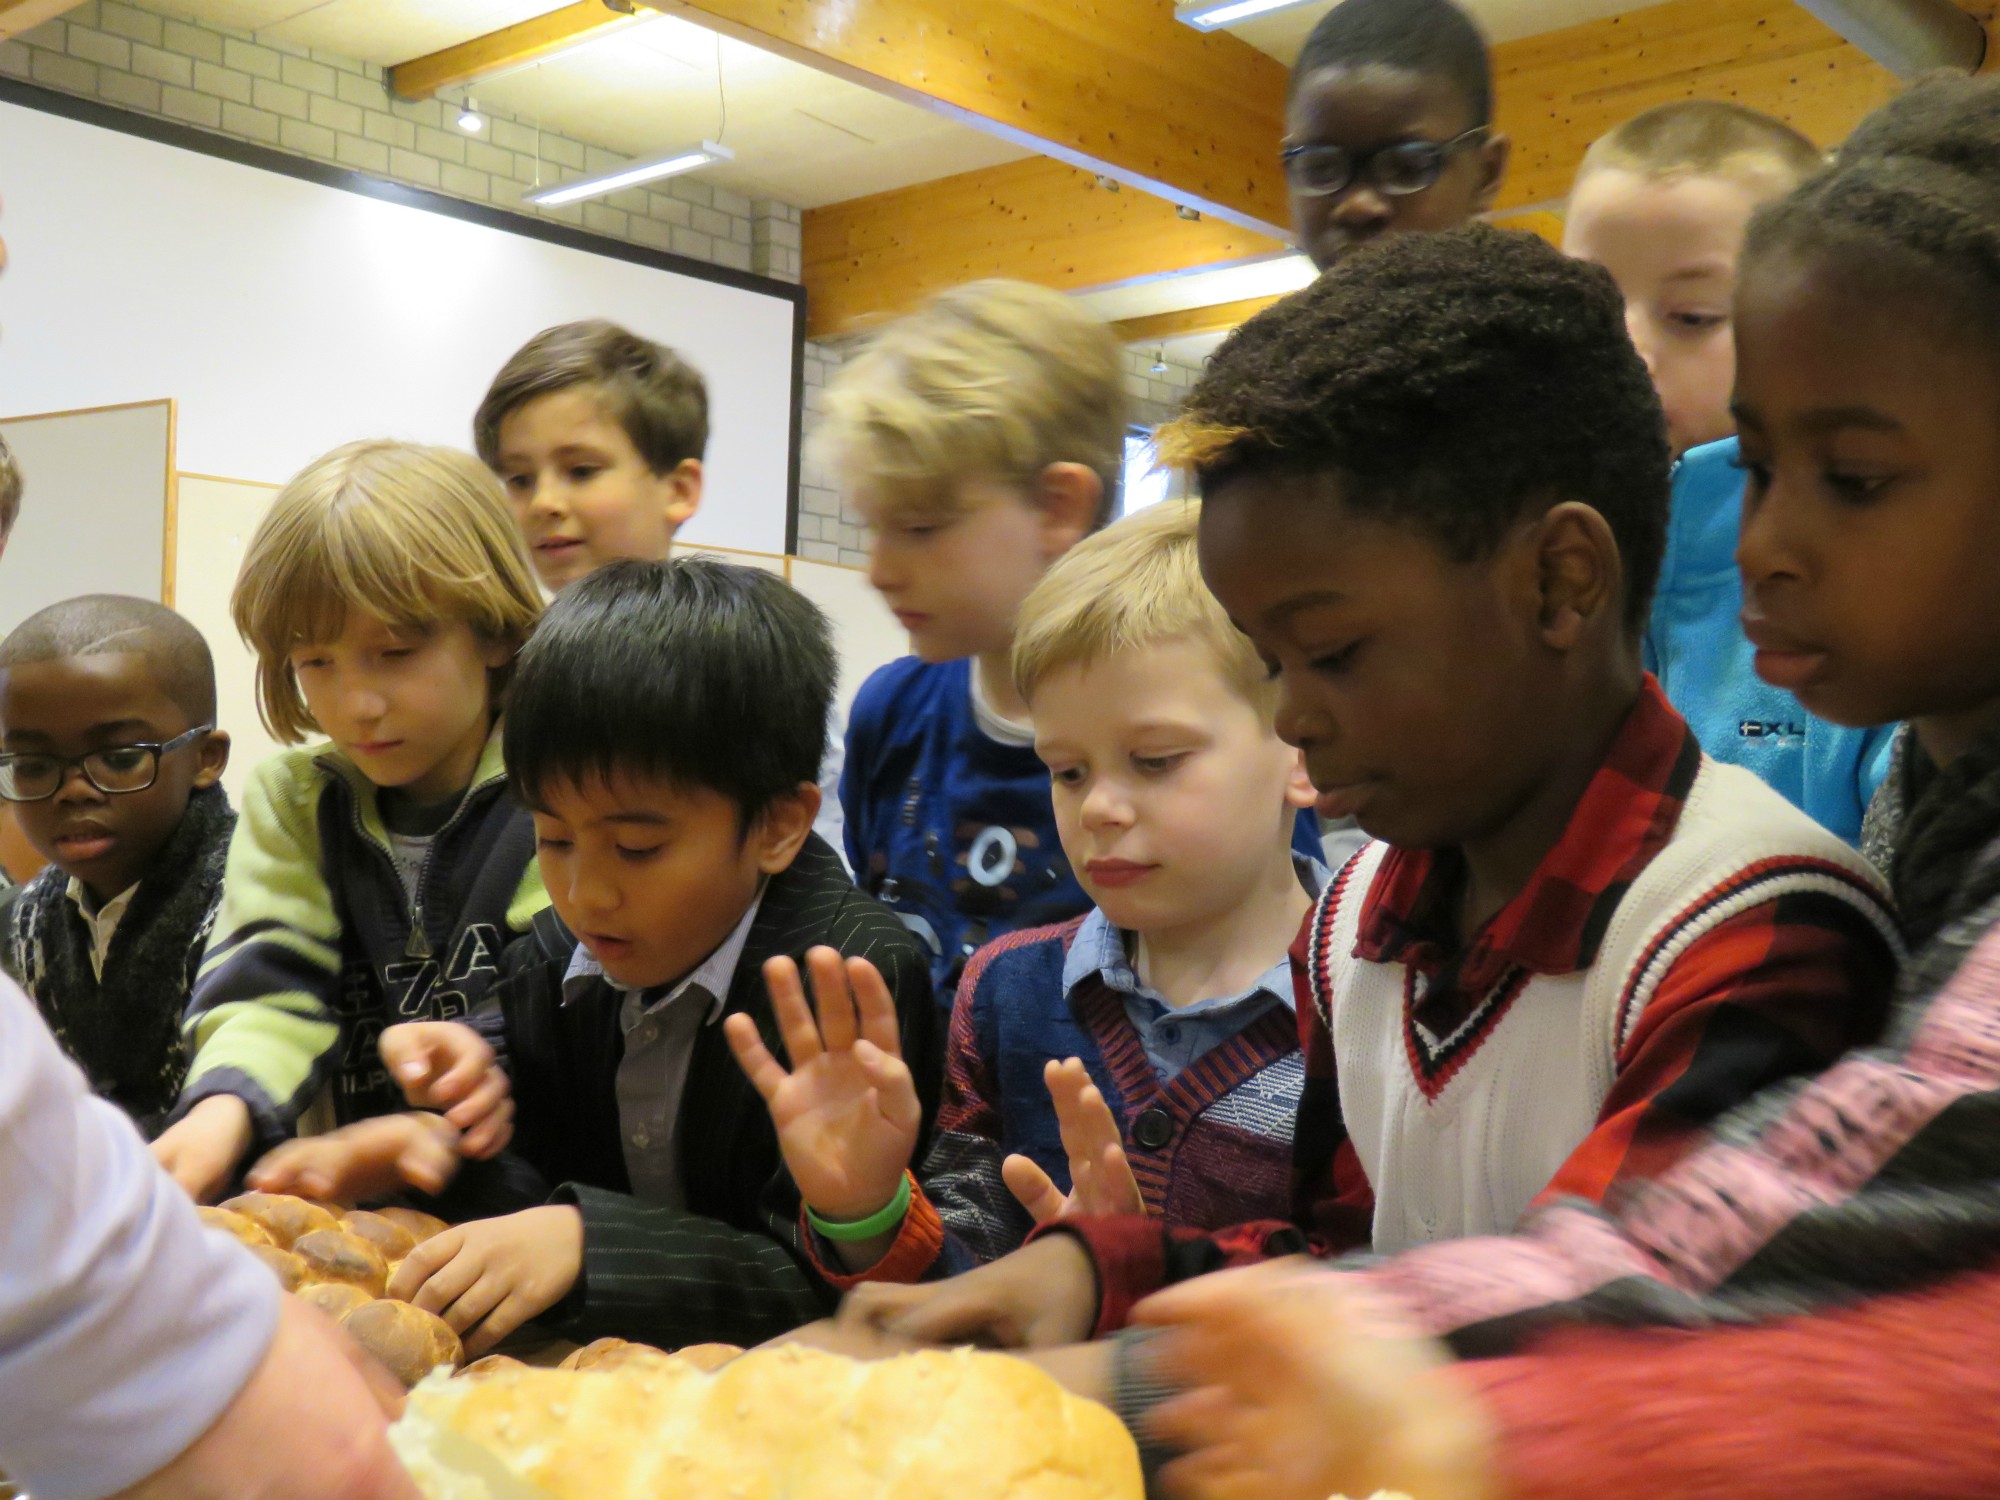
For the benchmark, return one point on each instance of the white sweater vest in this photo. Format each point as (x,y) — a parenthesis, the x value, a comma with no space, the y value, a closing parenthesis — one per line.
(1470,1155)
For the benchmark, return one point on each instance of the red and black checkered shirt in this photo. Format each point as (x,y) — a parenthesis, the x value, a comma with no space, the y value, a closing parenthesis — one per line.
(1780,989)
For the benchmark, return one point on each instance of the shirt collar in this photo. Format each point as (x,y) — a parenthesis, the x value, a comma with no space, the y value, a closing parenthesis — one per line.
(1099,952)
(1556,922)
(713,975)
(99,916)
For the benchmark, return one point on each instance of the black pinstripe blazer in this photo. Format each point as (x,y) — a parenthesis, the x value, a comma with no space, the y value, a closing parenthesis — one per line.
(730,1268)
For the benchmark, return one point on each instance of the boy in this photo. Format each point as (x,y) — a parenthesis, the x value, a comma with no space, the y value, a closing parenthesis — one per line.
(980,437)
(1576,940)
(664,727)
(1389,125)
(110,759)
(1662,203)
(598,436)
(1176,803)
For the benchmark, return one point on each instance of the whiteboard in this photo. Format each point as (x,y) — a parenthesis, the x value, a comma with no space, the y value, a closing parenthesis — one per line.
(96,491)
(288,315)
(216,518)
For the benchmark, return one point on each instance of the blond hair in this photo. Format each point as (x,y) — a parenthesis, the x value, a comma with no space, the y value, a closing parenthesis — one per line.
(10,489)
(1137,583)
(415,536)
(1707,138)
(995,379)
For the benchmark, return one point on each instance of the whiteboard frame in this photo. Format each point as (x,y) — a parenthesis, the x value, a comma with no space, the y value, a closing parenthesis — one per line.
(345,179)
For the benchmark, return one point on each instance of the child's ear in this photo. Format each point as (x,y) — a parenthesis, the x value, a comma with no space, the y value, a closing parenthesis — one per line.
(214,753)
(1068,496)
(784,827)
(496,651)
(1299,788)
(683,483)
(1493,158)
(1579,573)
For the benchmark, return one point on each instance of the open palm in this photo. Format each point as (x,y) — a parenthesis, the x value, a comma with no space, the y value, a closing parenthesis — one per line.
(846,1113)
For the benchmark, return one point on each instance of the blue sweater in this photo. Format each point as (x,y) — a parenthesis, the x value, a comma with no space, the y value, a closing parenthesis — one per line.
(1696,647)
(949,828)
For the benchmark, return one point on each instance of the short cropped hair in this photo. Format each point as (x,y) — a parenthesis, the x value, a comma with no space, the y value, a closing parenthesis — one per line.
(1455,383)
(656,396)
(10,489)
(114,624)
(995,379)
(699,674)
(1431,38)
(1706,138)
(1136,583)
(413,535)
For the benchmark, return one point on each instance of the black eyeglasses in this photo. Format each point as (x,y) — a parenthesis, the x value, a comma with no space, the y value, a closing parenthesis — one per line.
(1398,170)
(114,770)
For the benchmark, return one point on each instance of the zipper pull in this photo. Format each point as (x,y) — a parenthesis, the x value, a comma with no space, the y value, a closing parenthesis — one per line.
(419,946)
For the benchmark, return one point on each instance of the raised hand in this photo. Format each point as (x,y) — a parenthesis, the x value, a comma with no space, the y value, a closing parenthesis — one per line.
(847,1113)
(1101,1180)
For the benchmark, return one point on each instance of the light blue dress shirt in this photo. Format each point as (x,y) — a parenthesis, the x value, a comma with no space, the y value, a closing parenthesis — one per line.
(126,1327)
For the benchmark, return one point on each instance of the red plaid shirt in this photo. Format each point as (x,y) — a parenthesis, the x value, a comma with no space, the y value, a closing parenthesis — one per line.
(1782,988)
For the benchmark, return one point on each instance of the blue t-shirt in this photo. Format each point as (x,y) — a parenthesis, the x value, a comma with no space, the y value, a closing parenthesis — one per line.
(949,827)
(1695,645)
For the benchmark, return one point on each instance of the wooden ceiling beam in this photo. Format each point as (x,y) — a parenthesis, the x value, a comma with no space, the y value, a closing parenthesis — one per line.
(511,46)
(1222,317)
(17,16)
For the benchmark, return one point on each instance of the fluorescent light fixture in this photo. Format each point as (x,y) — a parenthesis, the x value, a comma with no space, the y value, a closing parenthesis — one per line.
(468,118)
(1210,15)
(685,159)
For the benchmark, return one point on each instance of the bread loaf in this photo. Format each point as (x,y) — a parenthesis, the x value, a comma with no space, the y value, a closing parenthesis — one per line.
(248,1231)
(287,1267)
(335,1255)
(282,1216)
(422,1226)
(385,1234)
(408,1341)
(334,1298)
(774,1422)
(493,1364)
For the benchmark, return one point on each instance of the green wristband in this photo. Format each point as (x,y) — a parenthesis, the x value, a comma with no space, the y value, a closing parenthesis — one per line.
(849,1231)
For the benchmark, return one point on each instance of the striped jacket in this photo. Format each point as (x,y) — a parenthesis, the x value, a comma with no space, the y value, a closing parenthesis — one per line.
(1209,1148)
(317,948)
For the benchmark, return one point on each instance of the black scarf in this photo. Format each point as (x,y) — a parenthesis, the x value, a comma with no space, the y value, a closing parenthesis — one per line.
(124,1030)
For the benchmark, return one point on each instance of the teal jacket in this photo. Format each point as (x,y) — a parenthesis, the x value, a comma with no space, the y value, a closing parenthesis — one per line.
(1696,647)
(317,948)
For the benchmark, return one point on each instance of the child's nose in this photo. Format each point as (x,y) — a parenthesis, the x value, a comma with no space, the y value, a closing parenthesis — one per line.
(77,787)
(1105,805)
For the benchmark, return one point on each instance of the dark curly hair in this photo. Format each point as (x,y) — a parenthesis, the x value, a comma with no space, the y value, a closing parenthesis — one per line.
(1431,38)
(1455,382)
(1915,188)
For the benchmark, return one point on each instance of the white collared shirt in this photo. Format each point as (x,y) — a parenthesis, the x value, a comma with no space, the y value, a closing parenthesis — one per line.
(102,922)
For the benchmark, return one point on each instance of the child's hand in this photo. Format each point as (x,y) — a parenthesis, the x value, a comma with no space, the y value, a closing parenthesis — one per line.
(1297,1387)
(448,1066)
(847,1114)
(1101,1180)
(368,1159)
(201,1150)
(489,1277)
(1044,1294)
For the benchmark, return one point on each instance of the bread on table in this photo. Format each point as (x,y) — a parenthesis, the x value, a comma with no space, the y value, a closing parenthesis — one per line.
(282,1216)
(612,1354)
(335,1255)
(287,1267)
(707,1356)
(407,1340)
(334,1298)
(384,1233)
(492,1364)
(421,1226)
(774,1422)
(246,1231)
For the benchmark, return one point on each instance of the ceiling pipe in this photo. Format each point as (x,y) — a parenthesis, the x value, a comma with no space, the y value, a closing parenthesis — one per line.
(1908,37)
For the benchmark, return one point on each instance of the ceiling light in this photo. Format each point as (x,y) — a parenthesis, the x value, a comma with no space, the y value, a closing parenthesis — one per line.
(468,118)
(1160,362)
(685,159)
(1209,15)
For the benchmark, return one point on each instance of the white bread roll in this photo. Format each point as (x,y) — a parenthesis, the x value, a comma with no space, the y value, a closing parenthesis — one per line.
(786,1421)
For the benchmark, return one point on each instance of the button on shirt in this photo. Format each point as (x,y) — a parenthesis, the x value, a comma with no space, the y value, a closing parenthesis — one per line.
(102,922)
(1175,1038)
(660,1031)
